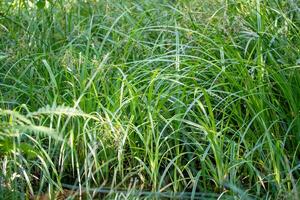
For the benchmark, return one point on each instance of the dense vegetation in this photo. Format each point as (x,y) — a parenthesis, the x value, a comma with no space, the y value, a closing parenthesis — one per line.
(150,99)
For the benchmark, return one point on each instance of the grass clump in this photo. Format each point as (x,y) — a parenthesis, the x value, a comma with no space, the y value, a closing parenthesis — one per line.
(150,99)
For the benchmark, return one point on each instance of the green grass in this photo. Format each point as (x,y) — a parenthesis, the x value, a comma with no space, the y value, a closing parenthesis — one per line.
(150,99)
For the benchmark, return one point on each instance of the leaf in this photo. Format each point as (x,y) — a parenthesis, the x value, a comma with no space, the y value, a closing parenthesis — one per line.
(52,76)
(28,150)
(61,110)
(41,4)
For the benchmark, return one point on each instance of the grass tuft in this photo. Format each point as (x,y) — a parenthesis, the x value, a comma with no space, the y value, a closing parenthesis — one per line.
(149,99)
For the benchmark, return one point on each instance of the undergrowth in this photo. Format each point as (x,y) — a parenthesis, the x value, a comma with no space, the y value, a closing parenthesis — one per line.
(150,99)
